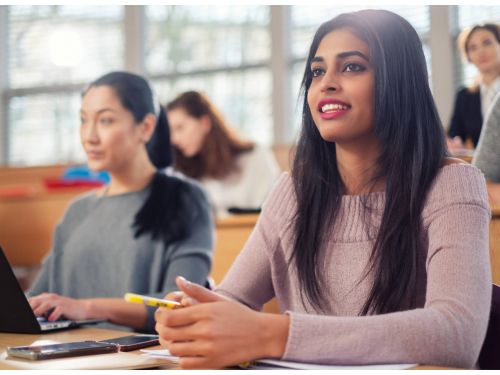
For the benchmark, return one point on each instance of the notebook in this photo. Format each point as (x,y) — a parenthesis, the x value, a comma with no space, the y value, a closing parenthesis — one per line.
(16,315)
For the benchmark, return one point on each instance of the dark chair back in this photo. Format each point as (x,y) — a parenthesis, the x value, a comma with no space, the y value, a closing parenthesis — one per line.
(489,358)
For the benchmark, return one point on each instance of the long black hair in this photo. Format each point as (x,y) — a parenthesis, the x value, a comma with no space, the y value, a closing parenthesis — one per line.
(164,214)
(408,128)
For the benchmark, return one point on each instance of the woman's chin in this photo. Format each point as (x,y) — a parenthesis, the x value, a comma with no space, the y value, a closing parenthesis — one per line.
(95,166)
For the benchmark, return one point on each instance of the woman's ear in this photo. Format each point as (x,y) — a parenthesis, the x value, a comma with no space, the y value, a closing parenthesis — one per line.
(206,124)
(148,127)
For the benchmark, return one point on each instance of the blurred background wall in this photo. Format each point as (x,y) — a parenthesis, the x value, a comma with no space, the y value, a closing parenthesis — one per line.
(248,59)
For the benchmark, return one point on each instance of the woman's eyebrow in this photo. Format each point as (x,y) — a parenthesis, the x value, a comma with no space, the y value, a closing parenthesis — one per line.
(100,111)
(346,54)
(106,110)
(343,55)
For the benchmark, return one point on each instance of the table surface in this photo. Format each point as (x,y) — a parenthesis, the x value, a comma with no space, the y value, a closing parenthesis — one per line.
(121,360)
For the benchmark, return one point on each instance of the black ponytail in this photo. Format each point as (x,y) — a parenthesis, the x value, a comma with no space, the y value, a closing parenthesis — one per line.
(167,210)
(158,147)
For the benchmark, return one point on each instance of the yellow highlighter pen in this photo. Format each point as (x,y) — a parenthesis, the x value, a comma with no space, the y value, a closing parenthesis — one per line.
(151,301)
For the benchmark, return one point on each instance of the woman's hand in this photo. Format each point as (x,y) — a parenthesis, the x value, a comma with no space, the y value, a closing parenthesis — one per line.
(217,332)
(182,298)
(54,306)
(455,144)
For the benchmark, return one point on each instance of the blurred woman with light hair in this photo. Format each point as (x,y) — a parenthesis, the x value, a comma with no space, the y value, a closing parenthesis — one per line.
(480,45)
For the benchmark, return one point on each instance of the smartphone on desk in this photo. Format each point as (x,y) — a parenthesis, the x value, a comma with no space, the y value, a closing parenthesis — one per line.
(69,349)
(133,342)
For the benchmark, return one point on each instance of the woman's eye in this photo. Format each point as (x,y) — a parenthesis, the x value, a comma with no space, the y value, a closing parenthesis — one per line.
(487,42)
(352,67)
(82,121)
(106,121)
(316,72)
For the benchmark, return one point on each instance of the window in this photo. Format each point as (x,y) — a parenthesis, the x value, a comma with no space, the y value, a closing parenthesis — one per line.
(222,51)
(52,52)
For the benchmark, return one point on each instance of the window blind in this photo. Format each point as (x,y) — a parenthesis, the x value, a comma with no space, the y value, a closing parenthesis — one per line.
(52,52)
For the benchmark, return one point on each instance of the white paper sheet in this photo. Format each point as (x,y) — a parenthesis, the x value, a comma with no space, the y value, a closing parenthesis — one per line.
(270,364)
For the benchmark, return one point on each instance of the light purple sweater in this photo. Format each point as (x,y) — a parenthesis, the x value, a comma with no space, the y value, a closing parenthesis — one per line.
(454,291)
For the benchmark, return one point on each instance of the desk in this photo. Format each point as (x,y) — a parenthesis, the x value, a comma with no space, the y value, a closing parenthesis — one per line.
(495,243)
(466,155)
(28,223)
(125,360)
(232,233)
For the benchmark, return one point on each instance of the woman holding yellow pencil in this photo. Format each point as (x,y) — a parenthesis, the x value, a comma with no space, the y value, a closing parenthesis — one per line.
(376,245)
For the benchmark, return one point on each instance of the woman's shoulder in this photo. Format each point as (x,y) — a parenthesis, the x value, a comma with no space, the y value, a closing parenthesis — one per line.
(184,184)
(80,206)
(281,202)
(457,182)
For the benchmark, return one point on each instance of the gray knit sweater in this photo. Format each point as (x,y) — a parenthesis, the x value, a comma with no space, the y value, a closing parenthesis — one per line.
(95,253)
(487,155)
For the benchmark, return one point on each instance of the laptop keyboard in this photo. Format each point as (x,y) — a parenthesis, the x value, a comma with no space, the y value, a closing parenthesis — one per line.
(46,325)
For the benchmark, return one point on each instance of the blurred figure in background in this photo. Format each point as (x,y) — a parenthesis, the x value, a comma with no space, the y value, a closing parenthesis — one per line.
(234,172)
(487,155)
(480,45)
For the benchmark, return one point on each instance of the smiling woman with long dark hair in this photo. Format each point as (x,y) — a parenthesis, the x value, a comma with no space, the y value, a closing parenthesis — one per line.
(376,247)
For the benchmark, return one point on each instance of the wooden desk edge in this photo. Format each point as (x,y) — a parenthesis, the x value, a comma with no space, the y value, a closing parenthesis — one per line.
(432,367)
(237,221)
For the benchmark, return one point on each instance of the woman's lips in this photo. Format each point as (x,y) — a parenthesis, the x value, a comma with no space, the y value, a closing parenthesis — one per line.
(332,108)
(333,114)
(94,154)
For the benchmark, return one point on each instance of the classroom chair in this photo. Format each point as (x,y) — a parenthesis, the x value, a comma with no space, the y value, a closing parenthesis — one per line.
(489,357)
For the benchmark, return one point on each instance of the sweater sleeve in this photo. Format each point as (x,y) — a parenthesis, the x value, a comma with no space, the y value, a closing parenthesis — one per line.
(457,127)
(487,156)
(45,280)
(42,281)
(450,328)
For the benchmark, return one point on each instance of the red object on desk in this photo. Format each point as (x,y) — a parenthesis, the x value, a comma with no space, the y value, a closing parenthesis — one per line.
(53,184)
(17,192)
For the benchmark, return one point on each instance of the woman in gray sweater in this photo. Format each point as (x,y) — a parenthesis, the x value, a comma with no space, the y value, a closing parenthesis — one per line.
(487,155)
(135,234)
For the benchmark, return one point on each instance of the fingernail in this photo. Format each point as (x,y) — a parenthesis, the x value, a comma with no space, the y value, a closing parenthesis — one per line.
(186,283)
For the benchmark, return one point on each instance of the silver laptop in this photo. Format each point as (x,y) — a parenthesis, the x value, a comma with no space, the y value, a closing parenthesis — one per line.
(16,315)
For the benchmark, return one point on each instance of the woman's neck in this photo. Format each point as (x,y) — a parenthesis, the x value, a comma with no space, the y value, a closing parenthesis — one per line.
(133,177)
(357,165)
(488,77)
